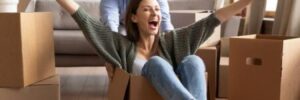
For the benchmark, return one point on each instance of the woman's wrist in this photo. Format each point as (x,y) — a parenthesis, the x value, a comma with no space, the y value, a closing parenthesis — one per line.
(70,5)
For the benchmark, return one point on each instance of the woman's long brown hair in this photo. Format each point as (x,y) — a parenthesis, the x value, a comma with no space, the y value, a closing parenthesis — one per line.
(131,27)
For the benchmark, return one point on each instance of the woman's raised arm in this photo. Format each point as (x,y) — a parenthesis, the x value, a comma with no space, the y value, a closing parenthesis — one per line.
(70,5)
(225,13)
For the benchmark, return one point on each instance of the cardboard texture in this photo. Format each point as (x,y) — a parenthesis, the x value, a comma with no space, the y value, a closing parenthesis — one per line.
(264,68)
(136,84)
(182,18)
(138,88)
(118,84)
(27,51)
(223,78)
(47,89)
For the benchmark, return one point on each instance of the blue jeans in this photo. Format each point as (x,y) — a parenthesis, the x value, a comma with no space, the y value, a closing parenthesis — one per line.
(186,82)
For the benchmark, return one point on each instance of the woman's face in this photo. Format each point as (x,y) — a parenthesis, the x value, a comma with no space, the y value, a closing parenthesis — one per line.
(148,17)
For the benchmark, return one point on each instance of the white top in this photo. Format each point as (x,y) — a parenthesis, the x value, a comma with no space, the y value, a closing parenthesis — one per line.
(138,65)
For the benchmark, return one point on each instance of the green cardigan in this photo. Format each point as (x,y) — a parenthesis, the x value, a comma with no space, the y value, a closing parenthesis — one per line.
(121,52)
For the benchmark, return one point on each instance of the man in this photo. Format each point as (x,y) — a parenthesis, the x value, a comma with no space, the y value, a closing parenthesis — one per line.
(113,15)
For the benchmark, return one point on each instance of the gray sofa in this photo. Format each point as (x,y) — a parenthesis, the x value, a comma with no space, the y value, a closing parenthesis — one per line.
(72,49)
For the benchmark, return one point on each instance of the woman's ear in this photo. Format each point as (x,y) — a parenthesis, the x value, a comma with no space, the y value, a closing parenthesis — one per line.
(134,19)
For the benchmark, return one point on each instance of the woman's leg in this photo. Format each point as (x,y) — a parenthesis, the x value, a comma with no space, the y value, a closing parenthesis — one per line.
(162,76)
(191,72)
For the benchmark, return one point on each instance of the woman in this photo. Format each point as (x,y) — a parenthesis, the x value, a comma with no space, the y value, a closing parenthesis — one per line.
(159,57)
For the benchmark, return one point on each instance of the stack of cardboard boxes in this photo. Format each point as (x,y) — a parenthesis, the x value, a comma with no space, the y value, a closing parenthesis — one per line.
(27,70)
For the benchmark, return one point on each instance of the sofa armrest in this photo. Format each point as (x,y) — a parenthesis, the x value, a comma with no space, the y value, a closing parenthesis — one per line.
(209,57)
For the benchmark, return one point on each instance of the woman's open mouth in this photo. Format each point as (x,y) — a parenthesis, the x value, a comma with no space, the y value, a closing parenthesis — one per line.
(153,24)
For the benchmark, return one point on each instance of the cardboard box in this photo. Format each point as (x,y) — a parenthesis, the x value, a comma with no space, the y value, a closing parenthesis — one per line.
(223,78)
(47,89)
(138,88)
(264,68)
(27,51)
(182,18)
(209,56)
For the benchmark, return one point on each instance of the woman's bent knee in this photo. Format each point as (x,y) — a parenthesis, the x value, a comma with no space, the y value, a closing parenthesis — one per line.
(194,61)
(156,63)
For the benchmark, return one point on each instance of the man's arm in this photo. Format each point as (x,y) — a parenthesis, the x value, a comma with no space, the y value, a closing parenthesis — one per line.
(166,24)
(225,13)
(109,10)
(70,5)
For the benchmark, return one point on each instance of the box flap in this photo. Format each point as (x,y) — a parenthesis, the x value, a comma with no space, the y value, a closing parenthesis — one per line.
(209,57)
(141,89)
(290,81)
(223,77)
(118,85)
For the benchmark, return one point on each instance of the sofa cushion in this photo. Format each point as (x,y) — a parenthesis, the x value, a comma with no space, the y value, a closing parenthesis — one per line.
(72,42)
(62,19)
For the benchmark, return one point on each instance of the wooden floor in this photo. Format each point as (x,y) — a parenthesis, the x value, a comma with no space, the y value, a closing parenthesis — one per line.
(84,83)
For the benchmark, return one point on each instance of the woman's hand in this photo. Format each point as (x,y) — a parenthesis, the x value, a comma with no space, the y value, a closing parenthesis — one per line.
(70,5)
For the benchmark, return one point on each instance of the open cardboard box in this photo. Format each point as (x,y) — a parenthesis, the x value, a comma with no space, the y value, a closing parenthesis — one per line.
(27,48)
(126,86)
(264,68)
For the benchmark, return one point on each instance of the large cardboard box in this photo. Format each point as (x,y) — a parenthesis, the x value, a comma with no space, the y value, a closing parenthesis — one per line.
(27,51)
(47,89)
(182,18)
(138,88)
(264,68)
